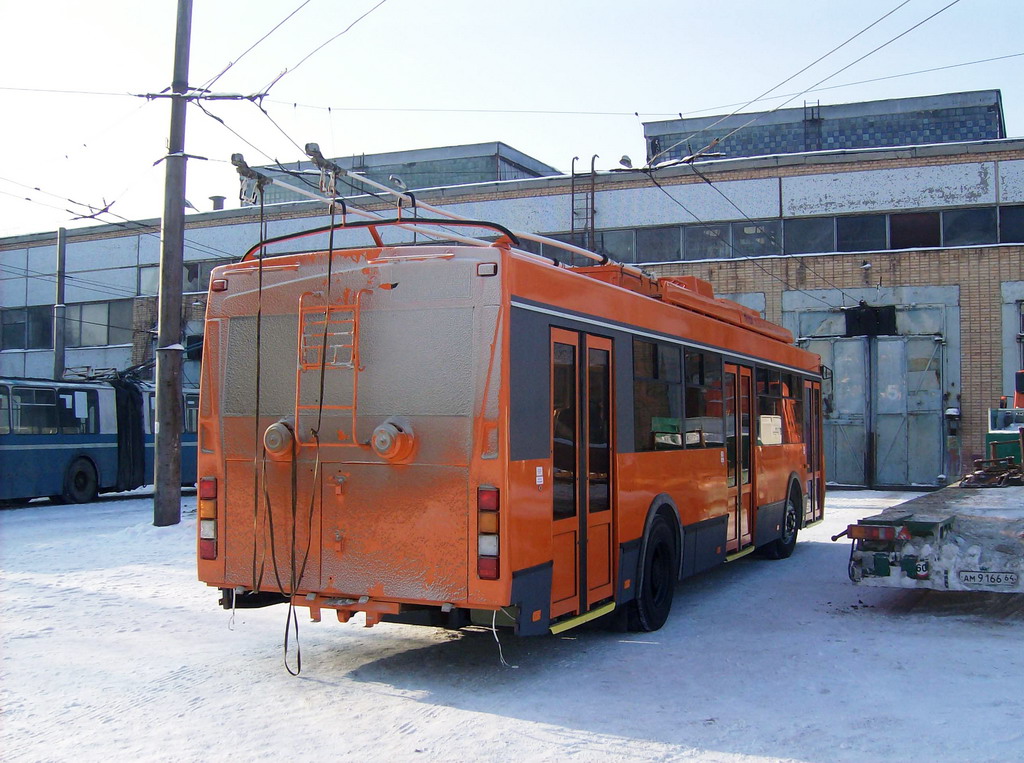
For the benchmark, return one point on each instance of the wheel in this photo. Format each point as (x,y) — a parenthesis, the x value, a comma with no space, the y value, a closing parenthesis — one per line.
(80,482)
(782,548)
(649,611)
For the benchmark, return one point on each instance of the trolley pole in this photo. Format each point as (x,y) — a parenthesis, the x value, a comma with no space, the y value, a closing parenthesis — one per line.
(169,351)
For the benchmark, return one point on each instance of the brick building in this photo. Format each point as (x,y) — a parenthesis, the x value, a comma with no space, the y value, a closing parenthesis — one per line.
(903,267)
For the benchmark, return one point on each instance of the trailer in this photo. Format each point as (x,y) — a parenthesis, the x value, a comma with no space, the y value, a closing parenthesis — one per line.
(955,539)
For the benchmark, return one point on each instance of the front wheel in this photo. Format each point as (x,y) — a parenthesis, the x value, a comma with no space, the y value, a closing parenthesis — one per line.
(80,482)
(782,547)
(653,602)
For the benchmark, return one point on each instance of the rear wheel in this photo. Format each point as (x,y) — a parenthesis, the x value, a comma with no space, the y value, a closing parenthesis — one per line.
(782,547)
(80,482)
(650,609)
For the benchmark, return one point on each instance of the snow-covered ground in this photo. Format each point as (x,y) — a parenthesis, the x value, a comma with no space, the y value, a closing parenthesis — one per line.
(111,650)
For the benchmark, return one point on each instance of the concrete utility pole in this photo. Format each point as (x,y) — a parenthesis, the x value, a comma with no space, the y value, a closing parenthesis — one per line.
(59,308)
(169,351)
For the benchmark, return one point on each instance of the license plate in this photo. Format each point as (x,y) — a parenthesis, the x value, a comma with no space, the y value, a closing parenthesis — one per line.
(971,577)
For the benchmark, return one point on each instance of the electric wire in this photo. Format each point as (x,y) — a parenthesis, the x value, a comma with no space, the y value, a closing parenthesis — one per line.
(86,284)
(138,227)
(862,82)
(55,91)
(211,82)
(719,191)
(316,50)
(645,113)
(818,60)
(741,256)
(833,74)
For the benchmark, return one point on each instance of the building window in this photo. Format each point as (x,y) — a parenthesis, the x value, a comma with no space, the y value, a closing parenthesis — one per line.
(616,244)
(561,255)
(658,244)
(810,235)
(860,233)
(757,238)
(914,230)
(149,279)
(196,275)
(1011,225)
(965,227)
(706,242)
(26,328)
(97,324)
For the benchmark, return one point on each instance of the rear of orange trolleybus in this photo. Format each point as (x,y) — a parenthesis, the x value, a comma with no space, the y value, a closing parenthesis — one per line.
(450,435)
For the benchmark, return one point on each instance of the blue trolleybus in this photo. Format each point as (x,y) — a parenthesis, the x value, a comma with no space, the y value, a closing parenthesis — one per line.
(71,440)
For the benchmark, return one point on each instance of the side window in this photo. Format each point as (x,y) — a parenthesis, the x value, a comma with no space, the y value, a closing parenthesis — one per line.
(769,418)
(77,411)
(780,408)
(791,406)
(5,410)
(704,423)
(191,419)
(657,417)
(34,410)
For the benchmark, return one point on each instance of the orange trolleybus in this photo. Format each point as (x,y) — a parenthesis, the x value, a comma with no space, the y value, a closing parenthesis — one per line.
(453,434)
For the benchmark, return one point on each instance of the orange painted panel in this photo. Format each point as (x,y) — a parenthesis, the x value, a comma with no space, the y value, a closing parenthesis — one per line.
(599,561)
(564,584)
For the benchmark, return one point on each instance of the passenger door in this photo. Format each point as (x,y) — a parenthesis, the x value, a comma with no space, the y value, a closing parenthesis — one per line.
(738,455)
(582,471)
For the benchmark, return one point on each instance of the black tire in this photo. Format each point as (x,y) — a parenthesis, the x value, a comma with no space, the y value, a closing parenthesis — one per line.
(80,485)
(782,548)
(659,572)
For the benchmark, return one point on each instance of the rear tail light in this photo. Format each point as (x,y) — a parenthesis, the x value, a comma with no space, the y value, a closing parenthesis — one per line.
(872,532)
(488,546)
(208,487)
(208,518)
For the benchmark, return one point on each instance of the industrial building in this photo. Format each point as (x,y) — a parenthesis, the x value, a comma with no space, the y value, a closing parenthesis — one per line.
(902,265)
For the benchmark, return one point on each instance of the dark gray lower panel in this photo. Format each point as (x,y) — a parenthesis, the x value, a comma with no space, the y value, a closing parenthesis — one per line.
(704,545)
(531,592)
(768,525)
(629,566)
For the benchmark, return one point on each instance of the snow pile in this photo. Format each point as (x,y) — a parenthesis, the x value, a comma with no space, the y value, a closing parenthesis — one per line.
(111,650)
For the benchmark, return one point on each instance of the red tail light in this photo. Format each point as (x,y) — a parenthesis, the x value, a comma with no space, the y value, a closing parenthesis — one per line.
(487,567)
(487,498)
(208,518)
(872,532)
(488,546)
(208,487)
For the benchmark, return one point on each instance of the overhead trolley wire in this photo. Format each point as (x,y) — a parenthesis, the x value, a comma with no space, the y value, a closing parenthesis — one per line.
(838,71)
(741,256)
(210,83)
(721,193)
(320,47)
(818,60)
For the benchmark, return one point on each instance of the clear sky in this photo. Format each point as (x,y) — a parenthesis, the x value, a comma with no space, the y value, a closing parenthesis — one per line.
(552,78)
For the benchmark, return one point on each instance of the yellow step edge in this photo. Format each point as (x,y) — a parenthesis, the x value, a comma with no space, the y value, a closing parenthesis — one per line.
(586,617)
(740,554)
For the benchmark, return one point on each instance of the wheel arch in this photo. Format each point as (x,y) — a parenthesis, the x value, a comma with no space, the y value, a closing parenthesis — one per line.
(96,471)
(661,504)
(793,485)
